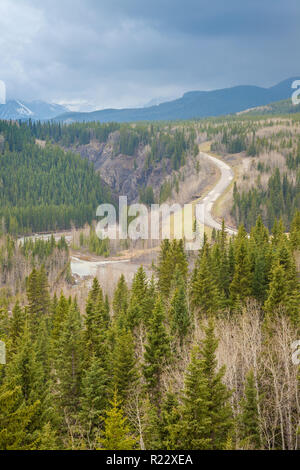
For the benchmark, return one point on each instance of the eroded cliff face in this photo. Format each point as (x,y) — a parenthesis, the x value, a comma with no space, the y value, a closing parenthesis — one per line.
(127,175)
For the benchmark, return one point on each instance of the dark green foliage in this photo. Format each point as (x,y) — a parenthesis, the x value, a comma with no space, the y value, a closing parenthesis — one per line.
(157,349)
(111,378)
(191,430)
(280,199)
(179,315)
(249,417)
(45,189)
(219,408)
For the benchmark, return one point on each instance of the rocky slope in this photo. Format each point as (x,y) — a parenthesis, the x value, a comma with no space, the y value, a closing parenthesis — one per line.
(128,175)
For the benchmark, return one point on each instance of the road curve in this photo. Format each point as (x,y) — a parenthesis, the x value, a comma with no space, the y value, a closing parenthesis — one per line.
(206,217)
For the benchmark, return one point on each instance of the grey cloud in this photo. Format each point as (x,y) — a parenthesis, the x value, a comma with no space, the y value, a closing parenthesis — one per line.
(125,52)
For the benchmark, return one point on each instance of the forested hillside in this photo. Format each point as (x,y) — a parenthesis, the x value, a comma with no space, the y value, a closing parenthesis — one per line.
(269,184)
(195,359)
(145,162)
(44,188)
(164,142)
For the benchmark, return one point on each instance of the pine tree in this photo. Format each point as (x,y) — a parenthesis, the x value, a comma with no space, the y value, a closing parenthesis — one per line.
(123,364)
(249,417)
(60,312)
(204,292)
(120,300)
(295,231)
(260,275)
(172,258)
(16,324)
(179,313)
(224,275)
(241,282)
(164,269)
(4,323)
(278,290)
(190,433)
(157,349)
(283,294)
(26,371)
(43,348)
(69,360)
(219,409)
(94,397)
(96,323)
(48,439)
(138,310)
(260,233)
(151,426)
(117,434)
(15,418)
(38,294)
(278,232)
(170,417)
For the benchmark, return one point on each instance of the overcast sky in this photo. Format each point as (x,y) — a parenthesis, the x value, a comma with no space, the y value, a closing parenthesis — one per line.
(117,53)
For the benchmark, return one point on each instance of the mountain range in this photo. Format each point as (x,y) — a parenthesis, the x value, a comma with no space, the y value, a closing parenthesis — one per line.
(194,104)
(35,110)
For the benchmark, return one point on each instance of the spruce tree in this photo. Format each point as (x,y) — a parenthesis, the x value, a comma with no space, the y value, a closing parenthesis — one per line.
(219,408)
(69,361)
(204,291)
(151,426)
(138,310)
(94,397)
(120,300)
(60,312)
(241,282)
(15,418)
(278,290)
(117,434)
(295,231)
(16,324)
(96,324)
(38,294)
(164,269)
(178,312)
(190,433)
(157,349)
(249,417)
(123,364)
(170,416)
(25,370)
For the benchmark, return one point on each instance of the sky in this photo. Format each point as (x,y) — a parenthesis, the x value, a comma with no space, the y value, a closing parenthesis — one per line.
(95,54)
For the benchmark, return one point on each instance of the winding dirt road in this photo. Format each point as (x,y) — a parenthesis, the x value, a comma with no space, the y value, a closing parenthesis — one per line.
(206,217)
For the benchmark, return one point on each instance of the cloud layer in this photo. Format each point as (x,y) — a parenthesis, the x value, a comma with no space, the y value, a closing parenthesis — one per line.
(117,53)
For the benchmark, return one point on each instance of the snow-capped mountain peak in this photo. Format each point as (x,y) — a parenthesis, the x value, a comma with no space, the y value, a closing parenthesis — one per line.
(23,110)
(35,110)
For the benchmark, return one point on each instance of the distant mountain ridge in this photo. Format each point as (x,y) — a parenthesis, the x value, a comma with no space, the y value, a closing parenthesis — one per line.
(193,104)
(35,110)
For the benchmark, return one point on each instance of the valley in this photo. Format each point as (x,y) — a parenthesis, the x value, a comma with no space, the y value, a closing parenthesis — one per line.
(139,317)
(149,230)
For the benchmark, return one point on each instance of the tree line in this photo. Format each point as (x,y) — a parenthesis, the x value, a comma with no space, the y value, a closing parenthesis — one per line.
(143,370)
(44,189)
